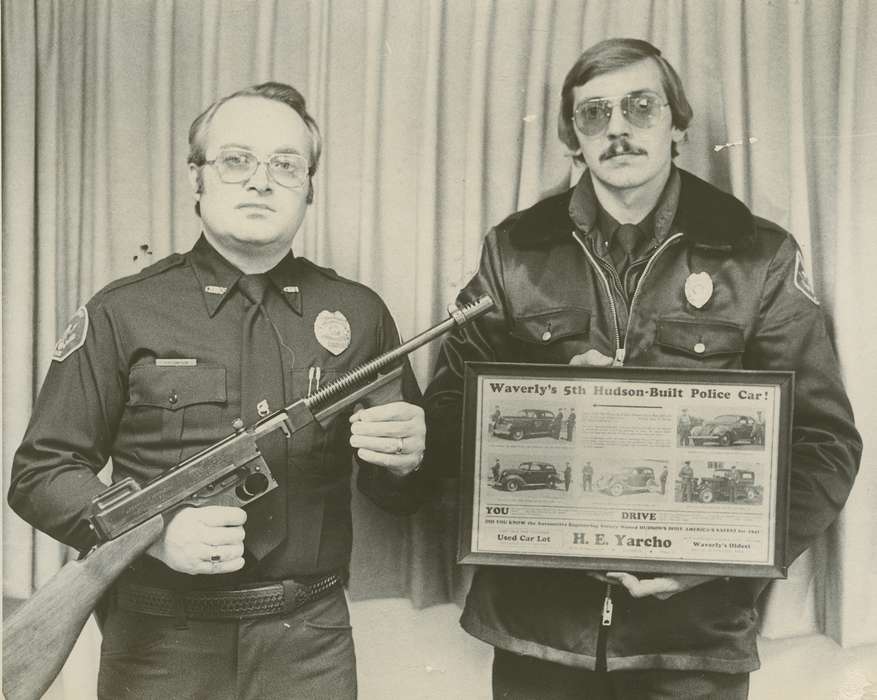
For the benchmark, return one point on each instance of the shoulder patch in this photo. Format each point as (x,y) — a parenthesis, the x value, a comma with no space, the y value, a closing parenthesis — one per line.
(73,337)
(802,282)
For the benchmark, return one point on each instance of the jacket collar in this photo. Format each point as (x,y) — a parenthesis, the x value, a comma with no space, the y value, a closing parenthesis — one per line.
(706,216)
(217,277)
(710,218)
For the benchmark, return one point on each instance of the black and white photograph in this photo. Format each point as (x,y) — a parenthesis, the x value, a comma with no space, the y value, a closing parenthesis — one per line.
(725,430)
(519,422)
(624,480)
(252,250)
(736,482)
(513,473)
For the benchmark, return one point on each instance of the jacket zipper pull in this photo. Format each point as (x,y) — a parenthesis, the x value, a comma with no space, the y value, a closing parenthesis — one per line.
(619,357)
(607,606)
(318,373)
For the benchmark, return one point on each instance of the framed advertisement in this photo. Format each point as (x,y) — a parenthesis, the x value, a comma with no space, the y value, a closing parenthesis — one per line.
(626,469)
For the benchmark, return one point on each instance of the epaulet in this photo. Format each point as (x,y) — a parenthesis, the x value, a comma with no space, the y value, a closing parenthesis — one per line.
(767,226)
(545,221)
(713,219)
(325,271)
(329,273)
(157,268)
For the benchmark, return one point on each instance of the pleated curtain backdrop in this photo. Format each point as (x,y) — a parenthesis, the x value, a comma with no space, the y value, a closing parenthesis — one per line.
(439,120)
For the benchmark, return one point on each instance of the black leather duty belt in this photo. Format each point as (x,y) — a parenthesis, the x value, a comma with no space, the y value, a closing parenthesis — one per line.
(250,601)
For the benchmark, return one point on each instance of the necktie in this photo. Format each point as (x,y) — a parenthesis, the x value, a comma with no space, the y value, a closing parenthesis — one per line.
(262,392)
(624,245)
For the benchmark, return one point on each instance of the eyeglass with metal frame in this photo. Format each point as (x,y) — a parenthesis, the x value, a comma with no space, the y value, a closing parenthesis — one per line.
(641,109)
(234,165)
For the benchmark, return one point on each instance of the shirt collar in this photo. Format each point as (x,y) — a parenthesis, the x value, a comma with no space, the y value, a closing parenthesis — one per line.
(590,217)
(217,277)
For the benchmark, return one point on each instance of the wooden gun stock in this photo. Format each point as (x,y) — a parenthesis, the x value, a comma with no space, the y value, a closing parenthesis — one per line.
(38,637)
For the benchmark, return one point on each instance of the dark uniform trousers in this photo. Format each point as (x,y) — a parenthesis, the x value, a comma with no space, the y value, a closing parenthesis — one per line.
(527,678)
(305,654)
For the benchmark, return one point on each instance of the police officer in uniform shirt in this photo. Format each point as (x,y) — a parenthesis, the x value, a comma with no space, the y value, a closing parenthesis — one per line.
(641,264)
(157,366)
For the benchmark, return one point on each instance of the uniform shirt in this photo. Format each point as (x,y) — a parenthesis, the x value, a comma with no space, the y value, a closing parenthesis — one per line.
(158,378)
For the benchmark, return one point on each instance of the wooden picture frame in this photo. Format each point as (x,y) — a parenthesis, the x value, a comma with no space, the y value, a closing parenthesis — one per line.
(659,471)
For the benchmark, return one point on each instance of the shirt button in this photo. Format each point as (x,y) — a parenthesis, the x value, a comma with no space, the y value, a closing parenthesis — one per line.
(546,336)
(173,397)
(699,348)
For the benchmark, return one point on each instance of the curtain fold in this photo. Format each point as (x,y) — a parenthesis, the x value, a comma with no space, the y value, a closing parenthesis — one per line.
(439,120)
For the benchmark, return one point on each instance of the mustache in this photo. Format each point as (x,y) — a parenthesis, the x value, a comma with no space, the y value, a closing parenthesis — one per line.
(621,147)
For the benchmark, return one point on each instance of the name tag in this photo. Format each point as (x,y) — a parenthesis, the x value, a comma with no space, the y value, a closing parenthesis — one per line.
(175,362)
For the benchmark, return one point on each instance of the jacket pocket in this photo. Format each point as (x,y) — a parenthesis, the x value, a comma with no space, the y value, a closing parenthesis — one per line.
(546,336)
(715,343)
(162,401)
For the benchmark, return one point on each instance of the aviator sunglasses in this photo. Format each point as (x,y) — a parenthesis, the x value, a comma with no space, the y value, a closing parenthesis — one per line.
(642,109)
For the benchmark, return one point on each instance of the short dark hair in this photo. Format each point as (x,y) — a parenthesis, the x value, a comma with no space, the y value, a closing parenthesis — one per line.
(610,55)
(278,92)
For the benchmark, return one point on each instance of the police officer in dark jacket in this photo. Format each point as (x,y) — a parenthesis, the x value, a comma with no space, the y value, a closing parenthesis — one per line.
(228,603)
(642,264)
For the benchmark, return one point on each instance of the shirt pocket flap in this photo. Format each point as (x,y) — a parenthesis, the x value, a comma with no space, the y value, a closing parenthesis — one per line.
(174,388)
(700,338)
(549,326)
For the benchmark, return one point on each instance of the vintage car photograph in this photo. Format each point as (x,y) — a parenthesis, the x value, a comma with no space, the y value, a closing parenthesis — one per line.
(726,430)
(529,475)
(728,486)
(628,480)
(527,423)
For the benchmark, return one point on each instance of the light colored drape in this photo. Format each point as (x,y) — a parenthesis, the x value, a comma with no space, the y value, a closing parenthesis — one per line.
(439,119)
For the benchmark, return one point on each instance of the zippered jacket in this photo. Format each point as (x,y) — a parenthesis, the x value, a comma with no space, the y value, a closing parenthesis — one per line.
(556,299)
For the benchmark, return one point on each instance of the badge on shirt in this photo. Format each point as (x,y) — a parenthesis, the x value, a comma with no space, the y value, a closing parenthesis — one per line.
(698,289)
(332,331)
(802,282)
(73,337)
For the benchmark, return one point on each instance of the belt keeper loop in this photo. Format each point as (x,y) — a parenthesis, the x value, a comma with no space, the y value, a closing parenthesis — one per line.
(181,621)
(290,594)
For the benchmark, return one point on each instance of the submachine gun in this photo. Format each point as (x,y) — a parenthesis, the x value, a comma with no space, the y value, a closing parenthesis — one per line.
(128,517)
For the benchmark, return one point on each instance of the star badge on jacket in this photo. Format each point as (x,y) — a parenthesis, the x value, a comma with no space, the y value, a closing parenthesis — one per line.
(73,337)
(698,289)
(332,331)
